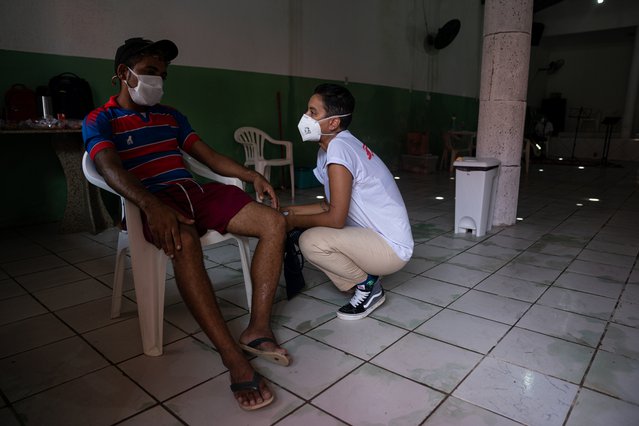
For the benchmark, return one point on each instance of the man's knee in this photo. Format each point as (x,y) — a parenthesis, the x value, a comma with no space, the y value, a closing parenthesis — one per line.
(190,240)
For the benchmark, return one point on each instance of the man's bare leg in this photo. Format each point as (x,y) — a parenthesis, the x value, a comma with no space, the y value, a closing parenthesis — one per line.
(197,292)
(269,226)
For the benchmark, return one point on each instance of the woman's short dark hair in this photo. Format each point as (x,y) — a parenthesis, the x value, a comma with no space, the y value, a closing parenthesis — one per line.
(337,101)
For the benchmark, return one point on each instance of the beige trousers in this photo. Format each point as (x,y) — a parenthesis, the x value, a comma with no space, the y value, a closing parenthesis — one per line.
(349,254)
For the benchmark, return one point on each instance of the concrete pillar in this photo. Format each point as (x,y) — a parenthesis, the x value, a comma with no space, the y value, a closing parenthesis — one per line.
(631,94)
(502,96)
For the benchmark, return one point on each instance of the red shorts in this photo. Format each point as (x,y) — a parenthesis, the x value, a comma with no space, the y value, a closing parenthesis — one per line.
(211,205)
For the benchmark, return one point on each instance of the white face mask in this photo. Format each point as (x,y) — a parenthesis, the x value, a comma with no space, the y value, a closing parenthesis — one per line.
(310,128)
(149,90)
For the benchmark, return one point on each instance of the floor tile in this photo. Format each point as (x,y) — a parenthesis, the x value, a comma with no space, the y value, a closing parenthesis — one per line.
(594,409)
(578,302)
(547,247)
(565,325)
(418,266)
(327,292)
(214,400)
(622,340)
(631,294)
(35,264)
(459,413)
(456,275)
(545,354)
(520,394)
(490,306)
(452,242)
(614,375)
(7,418)
(51,278)
(10,288)
(466,331)
(33,371)
(627,313)
(302,313)
(95,314)
(476,261)
(156,416)
(122,340)
(589,284)
(608,272)
(309,415)
(114,397)
(513,288)
(71,294)
(403,402)
(544,260)
(31,333)
(490,249)
(432,291)
(446,367)
(19,249)
(183,364)
(88,251)
(433,252)
(364,338)
(506,241)
(404,311)
(607,258)
(393,280)
(529,272)
(315,367)
(18,308)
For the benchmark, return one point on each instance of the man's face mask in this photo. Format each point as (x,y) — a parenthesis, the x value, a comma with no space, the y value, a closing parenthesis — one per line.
(149,90)
(310,128)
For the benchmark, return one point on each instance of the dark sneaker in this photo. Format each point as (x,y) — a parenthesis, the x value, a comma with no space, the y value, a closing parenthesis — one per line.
(363,302)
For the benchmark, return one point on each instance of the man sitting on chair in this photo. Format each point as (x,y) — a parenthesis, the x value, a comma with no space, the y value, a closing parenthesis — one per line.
(135,143)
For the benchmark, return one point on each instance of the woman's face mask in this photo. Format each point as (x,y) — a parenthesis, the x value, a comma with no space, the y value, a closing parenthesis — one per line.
(310,128)
(149,90)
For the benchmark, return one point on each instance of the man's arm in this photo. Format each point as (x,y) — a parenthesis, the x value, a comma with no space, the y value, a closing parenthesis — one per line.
(226,166)
(163,221)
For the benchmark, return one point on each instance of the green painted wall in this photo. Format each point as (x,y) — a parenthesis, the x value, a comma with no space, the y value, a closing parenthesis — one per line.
(216,102)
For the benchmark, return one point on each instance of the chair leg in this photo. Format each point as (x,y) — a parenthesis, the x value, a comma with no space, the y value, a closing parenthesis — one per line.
(453,154)
(292,183)
(149,275)
(245,258)
(118,276)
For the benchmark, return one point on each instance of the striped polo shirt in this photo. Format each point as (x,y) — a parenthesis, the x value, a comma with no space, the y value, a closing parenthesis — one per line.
(148,143)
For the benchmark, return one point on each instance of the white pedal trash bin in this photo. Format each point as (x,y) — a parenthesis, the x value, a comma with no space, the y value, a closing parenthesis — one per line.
(475,188)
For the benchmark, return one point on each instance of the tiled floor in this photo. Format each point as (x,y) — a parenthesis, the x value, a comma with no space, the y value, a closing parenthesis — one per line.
(534,324)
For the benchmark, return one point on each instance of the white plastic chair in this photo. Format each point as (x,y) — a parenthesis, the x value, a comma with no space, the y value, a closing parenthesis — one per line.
(149,263)
(252,140)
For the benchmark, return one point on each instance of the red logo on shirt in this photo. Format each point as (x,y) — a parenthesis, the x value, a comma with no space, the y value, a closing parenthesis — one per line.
(369,153)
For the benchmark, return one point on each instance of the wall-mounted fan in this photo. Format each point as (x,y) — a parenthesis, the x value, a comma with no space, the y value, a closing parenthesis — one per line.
(553,66)
(443,37)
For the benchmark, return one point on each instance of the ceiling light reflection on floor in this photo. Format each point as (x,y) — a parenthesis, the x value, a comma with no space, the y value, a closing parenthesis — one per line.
(593,199)
(439,198)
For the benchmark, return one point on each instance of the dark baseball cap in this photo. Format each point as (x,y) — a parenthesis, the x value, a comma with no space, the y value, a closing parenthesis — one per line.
(136,45)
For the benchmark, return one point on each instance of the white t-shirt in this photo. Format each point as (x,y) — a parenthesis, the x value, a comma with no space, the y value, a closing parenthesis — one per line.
(376,202)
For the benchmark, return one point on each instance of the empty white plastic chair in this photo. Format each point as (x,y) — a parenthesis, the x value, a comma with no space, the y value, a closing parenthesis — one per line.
(149,263)
(252,140)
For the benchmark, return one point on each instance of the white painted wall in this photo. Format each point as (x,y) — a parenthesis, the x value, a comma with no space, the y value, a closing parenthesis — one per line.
(367,41)
(581,16)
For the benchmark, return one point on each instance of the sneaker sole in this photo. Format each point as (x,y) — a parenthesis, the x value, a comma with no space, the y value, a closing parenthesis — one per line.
(348,317)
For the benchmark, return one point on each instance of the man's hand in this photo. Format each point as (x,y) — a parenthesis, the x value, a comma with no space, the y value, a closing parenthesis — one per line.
(262,187)
(164,223)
